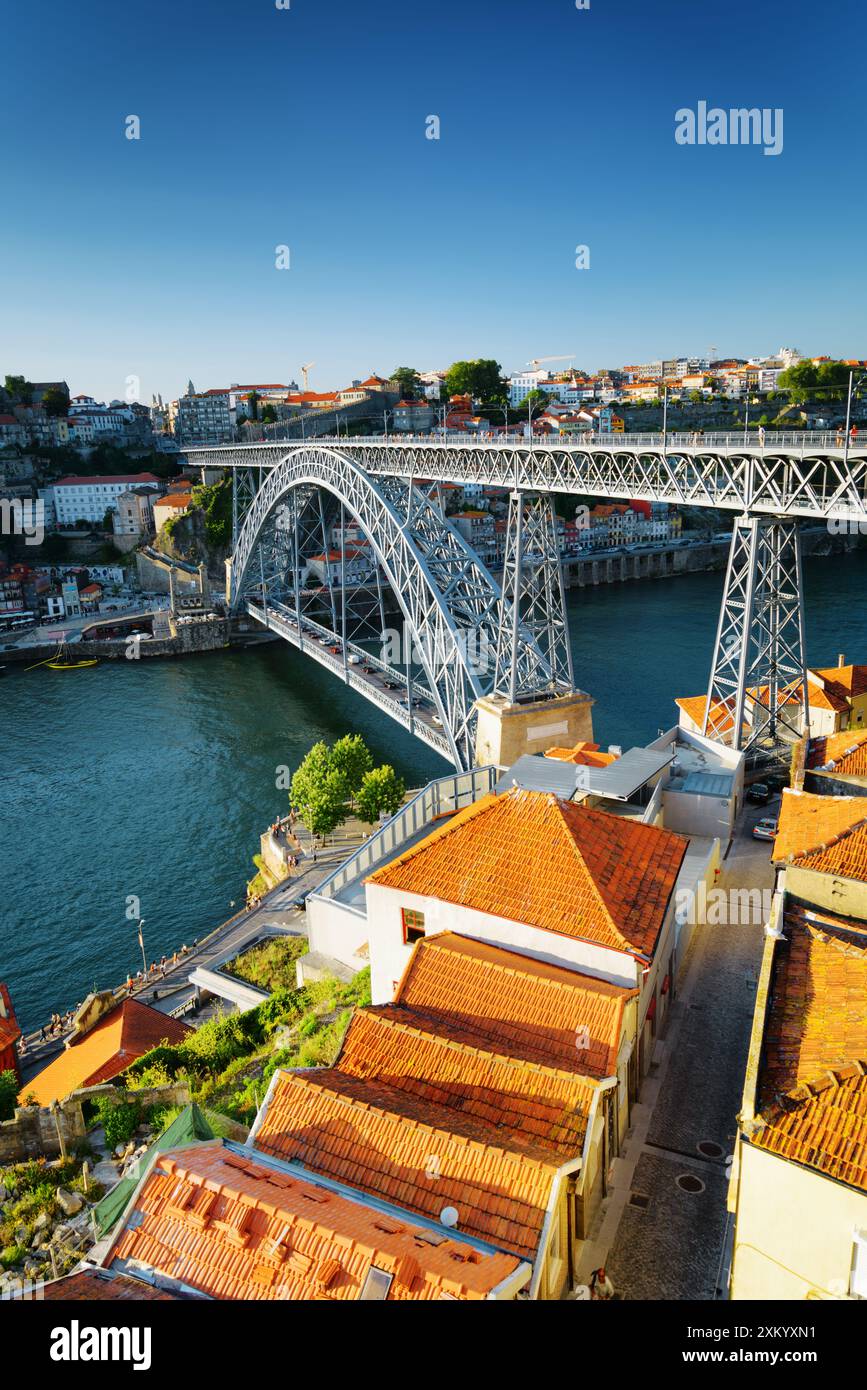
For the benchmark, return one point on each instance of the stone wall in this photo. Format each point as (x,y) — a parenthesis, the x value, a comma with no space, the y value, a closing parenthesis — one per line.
(33,1132)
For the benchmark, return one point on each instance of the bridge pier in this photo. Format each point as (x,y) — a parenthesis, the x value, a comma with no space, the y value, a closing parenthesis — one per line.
(505,731)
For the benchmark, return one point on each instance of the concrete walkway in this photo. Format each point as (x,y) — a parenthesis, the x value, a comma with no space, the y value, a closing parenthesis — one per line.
(656,1240)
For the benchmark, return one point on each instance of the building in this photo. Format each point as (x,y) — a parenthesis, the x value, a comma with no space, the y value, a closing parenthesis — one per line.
(490,1096)
(89,498)
(9,1034)
(207,417)
(330,568)
(837,765)
(230,1222)
(799,1181)
(90,598)
(106,1039)
(167,508)
(134,513)
(478,530)
(414,416)
(822,845)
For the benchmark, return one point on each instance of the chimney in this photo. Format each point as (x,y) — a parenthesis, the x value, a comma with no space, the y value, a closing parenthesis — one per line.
(841,659)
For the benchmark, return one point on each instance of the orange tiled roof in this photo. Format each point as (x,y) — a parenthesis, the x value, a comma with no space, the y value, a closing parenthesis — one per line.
(848,681)
(813,1076)
(722,715)
(824,833)
(233,1227)
(514,1004)
(100,1286)
(128,1032)
(9,1030)
(583,754)
(601,878)
(399,1048)
(845,753)
(417,1154)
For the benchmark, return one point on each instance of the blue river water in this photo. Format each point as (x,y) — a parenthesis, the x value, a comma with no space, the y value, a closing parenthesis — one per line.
(155,778)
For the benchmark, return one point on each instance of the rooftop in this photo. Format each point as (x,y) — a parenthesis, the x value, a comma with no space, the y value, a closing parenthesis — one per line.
(9,1030)
(825,833)
(229,1225)
(845,753)
(812,1092)
(601,878)
(514,1004)
(126,1033)
(421,1155)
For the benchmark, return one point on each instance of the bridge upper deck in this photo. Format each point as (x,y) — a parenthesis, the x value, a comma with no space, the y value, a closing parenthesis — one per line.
(804,474)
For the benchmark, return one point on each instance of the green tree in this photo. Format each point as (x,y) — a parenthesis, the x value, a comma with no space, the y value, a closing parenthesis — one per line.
(269,414)
(320,791)
(55,401)
(381,792)
(9,1089)
(253,405)
(19,388)
(481,378)
(408,380)
(351,757)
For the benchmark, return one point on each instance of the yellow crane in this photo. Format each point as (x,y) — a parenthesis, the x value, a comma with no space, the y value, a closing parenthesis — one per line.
(304,371)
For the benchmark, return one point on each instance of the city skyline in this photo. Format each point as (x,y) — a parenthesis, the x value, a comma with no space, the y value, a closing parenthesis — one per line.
(307,129)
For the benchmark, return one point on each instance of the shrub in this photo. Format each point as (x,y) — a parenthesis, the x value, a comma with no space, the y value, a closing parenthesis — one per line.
(119,1119)
(9,1089)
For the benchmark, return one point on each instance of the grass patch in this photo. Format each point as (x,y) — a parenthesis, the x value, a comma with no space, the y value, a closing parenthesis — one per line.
(272,964)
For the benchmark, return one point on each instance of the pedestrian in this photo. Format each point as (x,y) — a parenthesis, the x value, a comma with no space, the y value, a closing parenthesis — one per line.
(839,439)
(601,1286)
(853,436)
(761,436)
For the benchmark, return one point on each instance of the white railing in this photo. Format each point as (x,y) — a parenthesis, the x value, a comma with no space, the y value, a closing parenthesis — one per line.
(651,439)
(439,798)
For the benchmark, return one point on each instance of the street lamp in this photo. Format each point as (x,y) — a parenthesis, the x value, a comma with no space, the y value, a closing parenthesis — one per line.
(852,385)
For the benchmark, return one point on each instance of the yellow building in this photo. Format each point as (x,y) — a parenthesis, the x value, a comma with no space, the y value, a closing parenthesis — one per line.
(799,1178)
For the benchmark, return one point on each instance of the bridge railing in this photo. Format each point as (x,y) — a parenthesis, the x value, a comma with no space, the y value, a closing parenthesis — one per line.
(651,439)
(439,798)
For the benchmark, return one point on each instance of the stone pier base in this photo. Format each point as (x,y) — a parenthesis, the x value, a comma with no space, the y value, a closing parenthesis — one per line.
(506,731)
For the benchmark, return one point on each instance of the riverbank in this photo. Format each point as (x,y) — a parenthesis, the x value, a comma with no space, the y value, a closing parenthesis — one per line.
(155,778)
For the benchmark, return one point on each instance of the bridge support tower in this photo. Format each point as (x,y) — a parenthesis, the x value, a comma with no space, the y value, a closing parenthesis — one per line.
(757,694)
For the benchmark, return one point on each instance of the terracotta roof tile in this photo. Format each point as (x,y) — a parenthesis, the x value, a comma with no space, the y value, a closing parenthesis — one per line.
(845,753)
(126,1033)
(848,681)
(102,1285)
(552,864)
(825,833)
(527,1101)
(420,1155)
(271,1234)
(513,1004)
(812,1090)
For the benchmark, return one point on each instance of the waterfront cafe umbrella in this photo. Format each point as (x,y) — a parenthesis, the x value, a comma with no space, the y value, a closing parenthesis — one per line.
(189,1126)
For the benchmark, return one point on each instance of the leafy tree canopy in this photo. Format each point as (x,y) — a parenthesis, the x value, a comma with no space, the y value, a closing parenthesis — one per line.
(20,388)
(481,378)
(408,380)
(55,401)
(381,792)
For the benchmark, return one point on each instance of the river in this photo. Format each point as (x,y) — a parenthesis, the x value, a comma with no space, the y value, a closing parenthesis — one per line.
(155,778)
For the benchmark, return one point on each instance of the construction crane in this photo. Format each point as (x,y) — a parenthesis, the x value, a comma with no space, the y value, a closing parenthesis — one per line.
(564,357)
(304,371)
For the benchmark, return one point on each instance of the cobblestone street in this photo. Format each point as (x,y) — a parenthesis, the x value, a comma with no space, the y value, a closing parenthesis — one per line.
(656,1239)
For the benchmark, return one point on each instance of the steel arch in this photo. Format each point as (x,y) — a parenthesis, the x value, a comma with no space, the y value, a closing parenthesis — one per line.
(449,600)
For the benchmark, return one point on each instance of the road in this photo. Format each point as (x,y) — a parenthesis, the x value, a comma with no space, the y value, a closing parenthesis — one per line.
(670,1244)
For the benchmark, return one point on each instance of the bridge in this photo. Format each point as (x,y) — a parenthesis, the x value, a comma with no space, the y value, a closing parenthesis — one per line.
(474,648)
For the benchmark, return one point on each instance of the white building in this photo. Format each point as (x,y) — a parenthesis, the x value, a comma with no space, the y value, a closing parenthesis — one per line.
(89,498)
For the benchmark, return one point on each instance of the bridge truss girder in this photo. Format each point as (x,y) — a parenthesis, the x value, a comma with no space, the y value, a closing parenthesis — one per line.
(533,603)
(451,605)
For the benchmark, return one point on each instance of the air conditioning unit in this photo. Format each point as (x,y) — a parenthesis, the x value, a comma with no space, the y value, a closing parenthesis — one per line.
(615,749)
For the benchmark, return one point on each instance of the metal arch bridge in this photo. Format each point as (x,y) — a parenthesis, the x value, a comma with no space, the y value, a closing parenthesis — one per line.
(472,637)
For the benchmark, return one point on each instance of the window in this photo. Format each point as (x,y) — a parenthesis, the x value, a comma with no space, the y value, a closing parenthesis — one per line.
(376,1285)
(413,925)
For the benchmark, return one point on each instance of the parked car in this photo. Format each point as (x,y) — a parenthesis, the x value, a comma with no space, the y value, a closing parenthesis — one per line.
(759,793)
(354,660)
(765,829)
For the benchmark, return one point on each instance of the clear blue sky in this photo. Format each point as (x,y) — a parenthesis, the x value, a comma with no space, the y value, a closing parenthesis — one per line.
(307,127)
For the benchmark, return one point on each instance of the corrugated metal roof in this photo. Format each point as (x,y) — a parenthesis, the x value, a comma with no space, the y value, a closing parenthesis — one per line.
(537,774)
(621,779)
